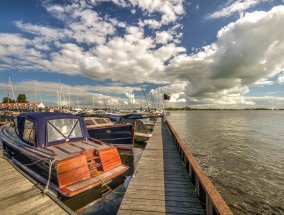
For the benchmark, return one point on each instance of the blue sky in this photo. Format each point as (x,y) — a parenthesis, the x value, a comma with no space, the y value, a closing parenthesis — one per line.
(215,53)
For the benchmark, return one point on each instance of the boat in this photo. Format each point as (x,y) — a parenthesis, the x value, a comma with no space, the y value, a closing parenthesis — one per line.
(132,117)
(142,133)
(56,150)
(119,135)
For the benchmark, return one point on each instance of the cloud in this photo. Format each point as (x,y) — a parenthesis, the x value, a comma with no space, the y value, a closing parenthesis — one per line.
(280,78)
(12,40)
(152,23)
(170,9)
(48,91)
(238,6)
(47,32)
(131,98)
(131,58)
(163,37)
(101,47)
(245,52)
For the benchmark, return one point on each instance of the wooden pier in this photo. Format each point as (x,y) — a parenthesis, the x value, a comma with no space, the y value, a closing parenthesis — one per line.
(18,195)
(160,184)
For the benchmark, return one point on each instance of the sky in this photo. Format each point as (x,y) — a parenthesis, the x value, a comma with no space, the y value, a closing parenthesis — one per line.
(208,54)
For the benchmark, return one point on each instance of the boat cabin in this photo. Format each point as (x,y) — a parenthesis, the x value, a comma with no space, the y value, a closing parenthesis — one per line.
(47,129)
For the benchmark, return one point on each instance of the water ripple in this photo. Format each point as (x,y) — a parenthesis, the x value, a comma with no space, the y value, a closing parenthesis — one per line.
(242,154)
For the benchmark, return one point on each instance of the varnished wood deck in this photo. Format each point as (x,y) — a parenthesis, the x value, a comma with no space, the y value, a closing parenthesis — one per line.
(161,184)
(18,195)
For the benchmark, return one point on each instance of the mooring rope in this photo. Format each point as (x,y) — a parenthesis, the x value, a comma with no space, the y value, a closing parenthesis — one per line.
(51,162)
(105,184)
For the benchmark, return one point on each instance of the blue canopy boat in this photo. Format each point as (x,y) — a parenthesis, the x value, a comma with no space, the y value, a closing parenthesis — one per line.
(55,148)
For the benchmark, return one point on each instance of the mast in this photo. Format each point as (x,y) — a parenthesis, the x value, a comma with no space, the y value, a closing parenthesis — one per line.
(69,104)
(57,99)
(35,95)
(158,98)
(8,91)
(11,86)
(142,88)
(93,102)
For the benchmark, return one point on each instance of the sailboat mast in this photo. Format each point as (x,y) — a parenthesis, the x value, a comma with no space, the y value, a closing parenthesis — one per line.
(93,102)
(8,91)
(69,100)
(142,88)
(35,95)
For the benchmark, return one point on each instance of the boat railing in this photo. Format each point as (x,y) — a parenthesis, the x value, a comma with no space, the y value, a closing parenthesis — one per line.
(206,191)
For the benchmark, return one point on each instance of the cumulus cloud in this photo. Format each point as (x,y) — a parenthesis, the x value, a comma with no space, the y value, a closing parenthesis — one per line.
(170,10)
(131,58)
(245,52)
(163,37)
(152,23)
(102,47)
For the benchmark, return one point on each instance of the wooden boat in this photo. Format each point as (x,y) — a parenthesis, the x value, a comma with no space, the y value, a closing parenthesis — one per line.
(55,148)
(119,135)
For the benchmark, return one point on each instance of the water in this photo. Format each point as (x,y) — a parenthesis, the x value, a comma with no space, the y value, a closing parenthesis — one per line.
(242,152)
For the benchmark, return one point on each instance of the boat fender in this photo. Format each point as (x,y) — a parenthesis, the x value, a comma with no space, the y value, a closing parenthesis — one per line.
(127,181)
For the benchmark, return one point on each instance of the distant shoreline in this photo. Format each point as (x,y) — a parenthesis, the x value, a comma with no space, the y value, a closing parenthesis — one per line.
(220,109)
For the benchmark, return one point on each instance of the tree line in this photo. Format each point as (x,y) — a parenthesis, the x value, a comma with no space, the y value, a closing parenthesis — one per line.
(22,98)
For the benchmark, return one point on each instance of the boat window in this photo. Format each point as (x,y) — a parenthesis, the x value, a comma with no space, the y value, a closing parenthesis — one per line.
(107,120)
(89,122)
(100,121)
(133,117)
(29,131)
(60,129)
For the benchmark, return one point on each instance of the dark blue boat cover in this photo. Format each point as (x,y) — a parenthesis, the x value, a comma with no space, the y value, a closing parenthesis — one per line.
(41,119)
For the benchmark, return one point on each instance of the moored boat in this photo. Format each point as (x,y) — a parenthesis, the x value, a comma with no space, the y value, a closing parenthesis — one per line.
(55,148)
(133,117)
(119,135)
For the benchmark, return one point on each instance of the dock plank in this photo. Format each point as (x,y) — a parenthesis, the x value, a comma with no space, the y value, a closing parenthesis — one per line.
(160,184)
(19,196)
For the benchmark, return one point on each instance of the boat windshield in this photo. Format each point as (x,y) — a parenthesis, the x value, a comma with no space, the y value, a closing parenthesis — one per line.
(60,129)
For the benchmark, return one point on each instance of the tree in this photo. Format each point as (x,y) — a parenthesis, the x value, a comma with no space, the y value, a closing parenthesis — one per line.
(22,98)
(8,100)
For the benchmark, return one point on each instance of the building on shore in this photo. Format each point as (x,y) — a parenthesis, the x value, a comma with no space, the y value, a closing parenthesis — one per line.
(26,105)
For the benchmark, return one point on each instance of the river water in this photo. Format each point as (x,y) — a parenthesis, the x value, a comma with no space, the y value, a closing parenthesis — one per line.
(242,152)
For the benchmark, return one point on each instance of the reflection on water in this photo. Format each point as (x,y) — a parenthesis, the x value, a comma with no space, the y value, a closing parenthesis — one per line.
(101,200)
(241,152)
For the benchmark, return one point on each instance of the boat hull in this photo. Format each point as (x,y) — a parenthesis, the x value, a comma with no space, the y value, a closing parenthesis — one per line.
(121,136)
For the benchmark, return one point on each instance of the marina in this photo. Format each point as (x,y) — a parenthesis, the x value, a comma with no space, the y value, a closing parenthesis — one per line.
(167,180)
(147,107)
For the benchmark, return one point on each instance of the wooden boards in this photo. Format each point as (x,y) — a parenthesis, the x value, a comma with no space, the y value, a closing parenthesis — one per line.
(20,196)
(161,184)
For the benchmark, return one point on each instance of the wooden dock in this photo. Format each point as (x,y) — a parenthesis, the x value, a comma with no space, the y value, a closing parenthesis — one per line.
(18,195)
(161,184)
